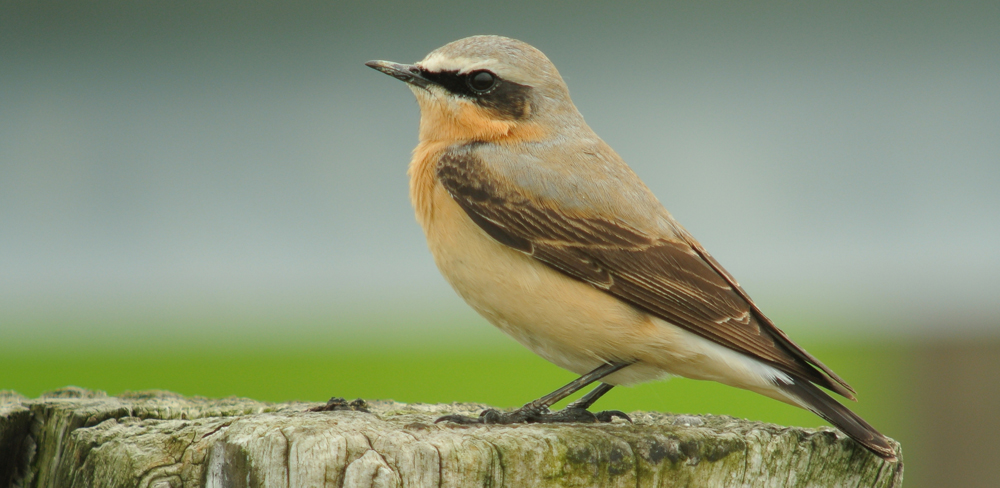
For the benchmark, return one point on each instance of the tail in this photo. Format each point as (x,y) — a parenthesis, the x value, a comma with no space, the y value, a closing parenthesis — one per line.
(815,400)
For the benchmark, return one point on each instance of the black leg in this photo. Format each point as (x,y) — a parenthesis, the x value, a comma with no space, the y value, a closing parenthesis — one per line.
(576,385)
(587,400)
(538,410)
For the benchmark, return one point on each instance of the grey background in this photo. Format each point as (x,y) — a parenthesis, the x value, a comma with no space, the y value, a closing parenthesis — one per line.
(842,160)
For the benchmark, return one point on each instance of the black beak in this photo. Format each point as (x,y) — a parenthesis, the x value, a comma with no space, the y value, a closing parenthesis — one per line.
(402,72)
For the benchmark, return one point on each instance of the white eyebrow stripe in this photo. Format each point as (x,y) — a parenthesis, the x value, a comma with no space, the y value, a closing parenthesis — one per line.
(438,62)
(484,64)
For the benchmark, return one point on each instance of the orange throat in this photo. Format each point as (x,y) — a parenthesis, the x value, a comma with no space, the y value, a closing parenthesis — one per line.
(442,127)
(423,179)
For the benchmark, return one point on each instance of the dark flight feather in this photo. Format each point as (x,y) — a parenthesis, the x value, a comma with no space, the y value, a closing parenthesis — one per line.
(847,421)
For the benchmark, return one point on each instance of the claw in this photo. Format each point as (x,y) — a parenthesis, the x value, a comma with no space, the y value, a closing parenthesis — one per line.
(571,415)
(607,416)
(533,416)
(339,404)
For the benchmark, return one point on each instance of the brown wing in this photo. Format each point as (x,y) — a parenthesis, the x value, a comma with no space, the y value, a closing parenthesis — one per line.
(674,279)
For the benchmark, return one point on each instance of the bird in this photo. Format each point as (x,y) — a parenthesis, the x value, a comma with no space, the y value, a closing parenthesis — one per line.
(544,230)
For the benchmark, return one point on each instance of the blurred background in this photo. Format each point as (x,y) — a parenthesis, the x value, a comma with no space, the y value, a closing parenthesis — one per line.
(211,198)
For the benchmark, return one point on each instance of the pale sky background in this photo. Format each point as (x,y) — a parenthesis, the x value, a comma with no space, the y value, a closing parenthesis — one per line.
(842,160)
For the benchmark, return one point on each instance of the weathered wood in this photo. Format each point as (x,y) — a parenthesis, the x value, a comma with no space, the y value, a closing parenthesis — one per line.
(79,438)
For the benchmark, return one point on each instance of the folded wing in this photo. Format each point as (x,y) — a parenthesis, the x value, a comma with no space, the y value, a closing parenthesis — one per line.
(671,277)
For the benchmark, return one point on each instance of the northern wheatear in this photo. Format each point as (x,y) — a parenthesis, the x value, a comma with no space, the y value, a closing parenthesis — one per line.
(544,230)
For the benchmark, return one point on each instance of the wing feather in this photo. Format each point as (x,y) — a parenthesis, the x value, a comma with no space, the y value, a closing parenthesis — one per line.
(673,278)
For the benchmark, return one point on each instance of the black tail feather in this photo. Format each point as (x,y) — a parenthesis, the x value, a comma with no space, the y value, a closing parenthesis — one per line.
(848,422)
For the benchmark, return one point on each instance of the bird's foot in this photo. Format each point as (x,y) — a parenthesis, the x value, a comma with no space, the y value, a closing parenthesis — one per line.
(606,416)
(527,415)
(492,416)
(584,416)
(339,404)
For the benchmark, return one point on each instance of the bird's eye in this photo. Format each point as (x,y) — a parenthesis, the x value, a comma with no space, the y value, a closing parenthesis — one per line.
(481,81)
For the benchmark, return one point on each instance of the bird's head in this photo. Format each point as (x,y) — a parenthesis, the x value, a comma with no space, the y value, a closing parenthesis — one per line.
(486,88)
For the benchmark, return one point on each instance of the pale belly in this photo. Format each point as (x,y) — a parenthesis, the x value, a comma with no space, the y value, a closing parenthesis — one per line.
(565,321)
(571,323)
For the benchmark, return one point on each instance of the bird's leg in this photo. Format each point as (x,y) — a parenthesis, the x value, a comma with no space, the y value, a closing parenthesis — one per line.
(587,400)
(537,411)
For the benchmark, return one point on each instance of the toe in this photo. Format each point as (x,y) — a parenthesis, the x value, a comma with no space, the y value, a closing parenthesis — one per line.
(459,419)
(607,416)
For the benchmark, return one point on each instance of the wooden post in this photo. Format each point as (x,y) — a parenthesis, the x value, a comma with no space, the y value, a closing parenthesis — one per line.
(79,438)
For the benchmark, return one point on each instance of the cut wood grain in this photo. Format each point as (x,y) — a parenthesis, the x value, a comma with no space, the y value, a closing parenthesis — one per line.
(79,438)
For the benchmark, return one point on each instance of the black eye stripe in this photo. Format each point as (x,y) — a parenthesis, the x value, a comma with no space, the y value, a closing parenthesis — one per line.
(449,80)
(459,84)
(510,100)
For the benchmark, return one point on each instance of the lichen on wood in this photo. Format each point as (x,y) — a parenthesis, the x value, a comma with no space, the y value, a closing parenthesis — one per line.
(74,437)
